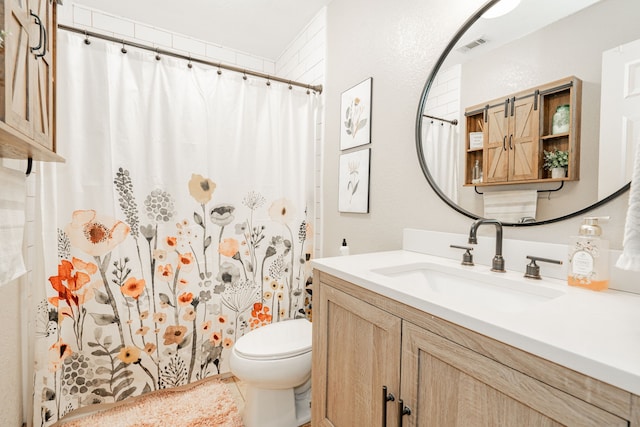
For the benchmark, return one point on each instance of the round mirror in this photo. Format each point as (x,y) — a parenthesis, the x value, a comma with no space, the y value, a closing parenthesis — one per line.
(577,55)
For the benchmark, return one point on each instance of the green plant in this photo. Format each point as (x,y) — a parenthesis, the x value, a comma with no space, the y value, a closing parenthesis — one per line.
(556,159)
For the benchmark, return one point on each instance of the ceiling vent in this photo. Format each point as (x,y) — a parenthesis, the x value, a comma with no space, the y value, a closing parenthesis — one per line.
(475,43)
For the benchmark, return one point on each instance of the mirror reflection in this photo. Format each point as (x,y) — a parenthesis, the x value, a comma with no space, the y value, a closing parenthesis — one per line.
(595,45)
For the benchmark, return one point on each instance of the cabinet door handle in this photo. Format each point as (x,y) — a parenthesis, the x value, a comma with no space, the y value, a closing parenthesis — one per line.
(44,46)
(402,411)
(511,142)
(386,397)
(42,40)
(504,143)
(37,20)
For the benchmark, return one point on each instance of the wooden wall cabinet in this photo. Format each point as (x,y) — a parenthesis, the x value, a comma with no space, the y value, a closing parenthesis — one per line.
(517,130)
(512,136)
(27,86)
(437,373)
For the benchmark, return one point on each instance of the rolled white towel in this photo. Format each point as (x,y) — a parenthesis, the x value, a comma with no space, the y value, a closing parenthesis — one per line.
(630,258)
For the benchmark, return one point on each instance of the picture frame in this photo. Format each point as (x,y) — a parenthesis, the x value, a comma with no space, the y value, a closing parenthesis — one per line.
(353,181)
(355,115)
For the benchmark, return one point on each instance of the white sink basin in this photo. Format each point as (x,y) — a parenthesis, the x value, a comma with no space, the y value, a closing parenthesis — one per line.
(488,290)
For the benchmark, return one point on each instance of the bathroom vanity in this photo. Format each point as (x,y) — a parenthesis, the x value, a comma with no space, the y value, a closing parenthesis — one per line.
(394,349)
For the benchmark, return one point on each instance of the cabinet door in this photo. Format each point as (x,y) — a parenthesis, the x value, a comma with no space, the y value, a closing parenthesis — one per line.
(356,353)
(43,75)
(523,140)
(18,66)
(448,385)
(496,153)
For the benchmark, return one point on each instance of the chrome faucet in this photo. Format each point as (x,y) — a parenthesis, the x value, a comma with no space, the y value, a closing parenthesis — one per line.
(498,261)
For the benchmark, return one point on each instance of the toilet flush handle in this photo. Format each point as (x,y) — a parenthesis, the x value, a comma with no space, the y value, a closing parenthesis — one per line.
(386,397)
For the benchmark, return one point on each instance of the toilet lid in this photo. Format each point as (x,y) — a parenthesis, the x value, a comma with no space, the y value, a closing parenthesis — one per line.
(277,340)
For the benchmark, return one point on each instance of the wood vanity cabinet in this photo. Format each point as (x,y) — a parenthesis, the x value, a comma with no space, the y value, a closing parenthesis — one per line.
(441,373)
(27,68)
(517,129)
(359,354)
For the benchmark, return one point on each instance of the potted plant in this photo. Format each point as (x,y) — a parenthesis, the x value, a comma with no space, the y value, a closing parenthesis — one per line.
(556,161)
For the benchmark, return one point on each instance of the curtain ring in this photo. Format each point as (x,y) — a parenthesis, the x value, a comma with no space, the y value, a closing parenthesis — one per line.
(86,38)
(290,87)
(308,90)
(244,75)
(189,64)
(219,70)
(124,49)
(158,55)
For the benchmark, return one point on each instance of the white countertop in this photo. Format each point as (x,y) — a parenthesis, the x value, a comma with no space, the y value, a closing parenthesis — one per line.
(595,333)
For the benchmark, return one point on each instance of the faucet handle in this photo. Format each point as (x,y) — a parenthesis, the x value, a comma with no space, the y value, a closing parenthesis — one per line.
(533,269)
(467,258)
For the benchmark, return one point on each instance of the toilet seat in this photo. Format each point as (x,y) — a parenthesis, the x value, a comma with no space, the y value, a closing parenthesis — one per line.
(278,340)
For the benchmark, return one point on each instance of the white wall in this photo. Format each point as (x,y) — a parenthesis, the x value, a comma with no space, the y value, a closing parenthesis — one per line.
(304,61)
(444,94)
(397,44)
(144,33)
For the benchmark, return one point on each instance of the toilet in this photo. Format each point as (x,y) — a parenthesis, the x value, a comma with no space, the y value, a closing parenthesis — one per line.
(274,362)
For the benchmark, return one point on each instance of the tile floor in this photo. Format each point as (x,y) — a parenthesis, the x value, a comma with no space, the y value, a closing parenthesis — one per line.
(237,389)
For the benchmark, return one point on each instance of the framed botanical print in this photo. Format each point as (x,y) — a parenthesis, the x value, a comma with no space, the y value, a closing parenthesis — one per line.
(355,110)
(353,193)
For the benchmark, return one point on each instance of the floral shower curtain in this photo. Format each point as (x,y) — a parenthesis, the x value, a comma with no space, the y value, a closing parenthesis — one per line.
(180,221)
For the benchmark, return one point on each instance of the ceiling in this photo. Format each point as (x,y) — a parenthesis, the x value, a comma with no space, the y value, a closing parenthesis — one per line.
(260,27)
(528,17)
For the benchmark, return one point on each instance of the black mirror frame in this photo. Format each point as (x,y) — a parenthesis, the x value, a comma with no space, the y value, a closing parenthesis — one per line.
(423,164)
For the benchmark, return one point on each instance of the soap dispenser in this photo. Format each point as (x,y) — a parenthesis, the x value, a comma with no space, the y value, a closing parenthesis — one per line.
(344,248)
(589,257)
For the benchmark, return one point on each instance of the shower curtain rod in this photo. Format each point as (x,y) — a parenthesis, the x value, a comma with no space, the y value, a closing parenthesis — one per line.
(158,51)
(453,122)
